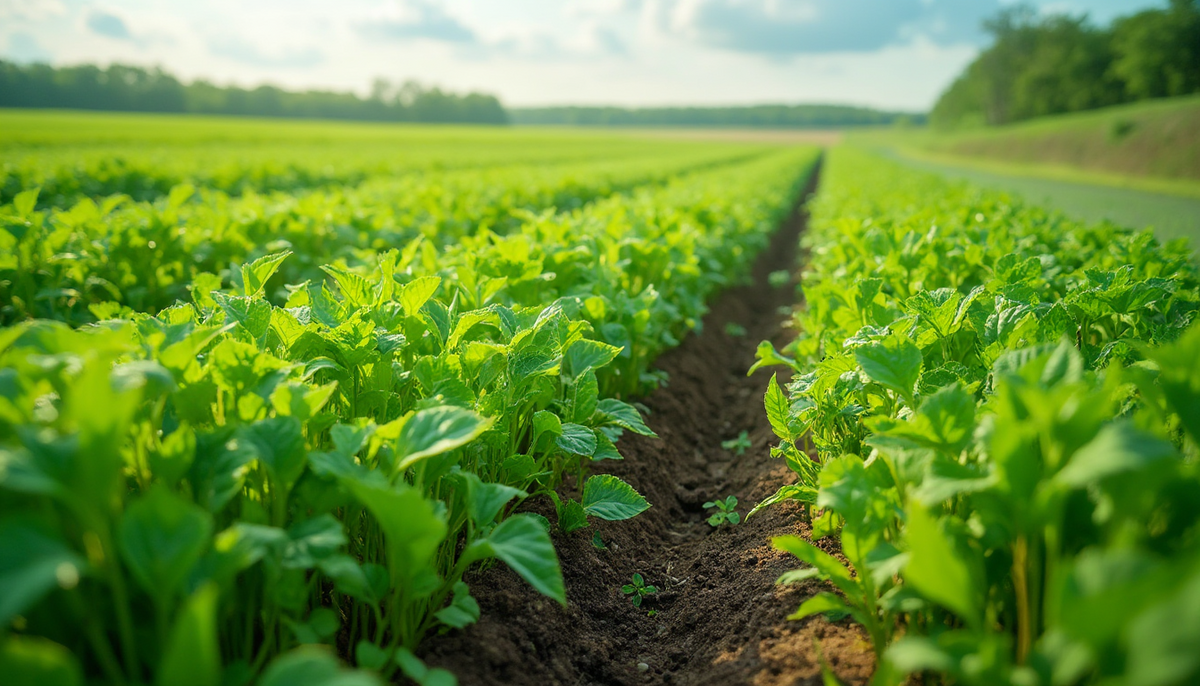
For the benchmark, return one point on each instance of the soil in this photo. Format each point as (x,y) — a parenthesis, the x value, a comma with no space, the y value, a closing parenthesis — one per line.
(719,617)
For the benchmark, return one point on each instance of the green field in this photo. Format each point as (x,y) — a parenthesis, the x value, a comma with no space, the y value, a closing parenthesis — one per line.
(349,404)
(1152,145)
(1170,215)
(990,405)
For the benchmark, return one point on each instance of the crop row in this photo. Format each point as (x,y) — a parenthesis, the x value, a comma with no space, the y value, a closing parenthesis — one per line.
(145,256)
(200,494)
(146,167)
(994,411)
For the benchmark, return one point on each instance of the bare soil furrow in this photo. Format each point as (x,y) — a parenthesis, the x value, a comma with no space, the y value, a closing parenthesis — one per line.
(719,618)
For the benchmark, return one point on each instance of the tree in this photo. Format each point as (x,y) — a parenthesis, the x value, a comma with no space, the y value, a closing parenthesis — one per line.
(1158,52)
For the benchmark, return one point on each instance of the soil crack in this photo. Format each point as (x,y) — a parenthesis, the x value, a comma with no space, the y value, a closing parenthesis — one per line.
(718,618)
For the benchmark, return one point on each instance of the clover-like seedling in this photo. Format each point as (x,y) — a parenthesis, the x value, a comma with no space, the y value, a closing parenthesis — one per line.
(779,279)
(738,445)
(638,590)
(734,330)
(726,511)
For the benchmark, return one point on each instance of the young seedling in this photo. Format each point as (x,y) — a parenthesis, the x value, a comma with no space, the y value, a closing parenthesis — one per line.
(638,590)
(726,511)
(738,445)
(735,330)
(779,279)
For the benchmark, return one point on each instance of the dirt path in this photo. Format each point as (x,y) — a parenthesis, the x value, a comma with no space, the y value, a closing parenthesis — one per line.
(720,618)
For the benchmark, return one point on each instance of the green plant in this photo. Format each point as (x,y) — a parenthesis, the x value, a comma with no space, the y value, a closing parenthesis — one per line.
(735,330)
(739,445)
(273,431)
(726,511)
(997,432)
(779,279)
(637,590)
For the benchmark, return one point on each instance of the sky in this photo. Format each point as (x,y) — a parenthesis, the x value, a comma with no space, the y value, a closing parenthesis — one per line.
(892,54)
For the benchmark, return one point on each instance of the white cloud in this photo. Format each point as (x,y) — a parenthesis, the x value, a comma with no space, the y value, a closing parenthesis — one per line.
(248,53)
(23,47)
(31,10)
(413,20)
(109,25)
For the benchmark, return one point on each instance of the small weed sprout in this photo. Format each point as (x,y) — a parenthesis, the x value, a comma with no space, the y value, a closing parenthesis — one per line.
(638,590)
(738,445)
(725,511)
(735,330)
(779,279)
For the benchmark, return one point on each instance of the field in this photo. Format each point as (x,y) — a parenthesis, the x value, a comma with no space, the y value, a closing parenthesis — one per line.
(1169,215)
(1152,146)
(302,403)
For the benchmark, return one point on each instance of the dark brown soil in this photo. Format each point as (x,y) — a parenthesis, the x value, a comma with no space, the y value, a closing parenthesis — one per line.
(720,618)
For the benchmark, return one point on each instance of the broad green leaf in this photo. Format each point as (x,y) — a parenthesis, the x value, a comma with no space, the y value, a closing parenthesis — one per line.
(894,363)
(370,656)
(356,290)
(607,497)
(605,449)
(414,294)
(818,604)
(437,430)
(951,417)
(485,500)
(161,536)
(466,322)
(528,363)
(797,492)
(25,201)
(585,354)
(778,409)
(828,565)
(252,313)
(349,577)
(32,563)
(1118,448)
(192,656)
(577,440)
(767,356)
(945,421)
(256,274)
(585,395)
(522,543)
(935,569)
(571,516)
(312,540)
(462,611)
(795,576)
(278,442)
(312,665)
(413,528)
(624,415)
(36,661)
(1179,378)
(916,654)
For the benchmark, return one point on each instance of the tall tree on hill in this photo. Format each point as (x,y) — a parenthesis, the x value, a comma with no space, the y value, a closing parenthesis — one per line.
(1159,51)
(1049,64)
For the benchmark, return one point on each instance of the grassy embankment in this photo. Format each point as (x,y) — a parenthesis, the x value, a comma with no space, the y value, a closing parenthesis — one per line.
(1152,146)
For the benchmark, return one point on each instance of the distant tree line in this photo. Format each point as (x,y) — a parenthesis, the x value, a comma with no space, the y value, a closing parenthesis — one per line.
(1040,65)
(754,116)
(136,89)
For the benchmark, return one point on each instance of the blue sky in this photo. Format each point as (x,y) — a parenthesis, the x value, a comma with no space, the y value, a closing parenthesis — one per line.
(884,53)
